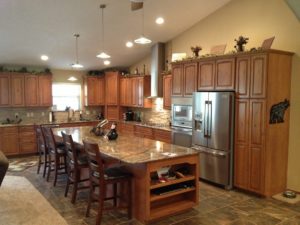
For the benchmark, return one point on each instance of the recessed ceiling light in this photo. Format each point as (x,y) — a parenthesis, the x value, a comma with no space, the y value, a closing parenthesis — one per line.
(44,57)
(129,44)
(142,40)
(77,65)
(72,78)
(106,62)
(160,20)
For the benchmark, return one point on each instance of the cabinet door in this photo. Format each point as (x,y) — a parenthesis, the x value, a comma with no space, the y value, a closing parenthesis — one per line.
(31,90)
(140,92)
(242,77)
(91,91)
(123,91)
(45,90)
(241,151)
(257,149)
(128,94)
(10,140)
(167,87)
(100,93)
(5,90)
(17,90)
(177,80)
(189,78)
(258,76)
(225,71)
(135,88)
(206,74)
(112,88)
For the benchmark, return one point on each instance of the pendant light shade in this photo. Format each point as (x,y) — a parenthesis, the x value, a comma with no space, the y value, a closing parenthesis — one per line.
(102,55)
(76,65)
(143,39)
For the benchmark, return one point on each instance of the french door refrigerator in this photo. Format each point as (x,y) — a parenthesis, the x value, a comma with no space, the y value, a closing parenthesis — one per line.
(212,135)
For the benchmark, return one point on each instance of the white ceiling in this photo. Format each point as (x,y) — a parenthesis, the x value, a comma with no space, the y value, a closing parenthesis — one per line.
(30,28)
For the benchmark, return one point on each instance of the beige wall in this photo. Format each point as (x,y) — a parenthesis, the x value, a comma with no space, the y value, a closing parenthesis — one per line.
(140,66)
(62,76)
(257,20)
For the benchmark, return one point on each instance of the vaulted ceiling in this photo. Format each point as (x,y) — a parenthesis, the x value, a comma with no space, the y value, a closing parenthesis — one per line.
(30,28)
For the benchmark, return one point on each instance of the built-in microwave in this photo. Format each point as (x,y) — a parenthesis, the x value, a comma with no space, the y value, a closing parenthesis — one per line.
(182,112)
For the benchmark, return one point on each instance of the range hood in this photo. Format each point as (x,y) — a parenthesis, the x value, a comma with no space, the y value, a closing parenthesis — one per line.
(157,67)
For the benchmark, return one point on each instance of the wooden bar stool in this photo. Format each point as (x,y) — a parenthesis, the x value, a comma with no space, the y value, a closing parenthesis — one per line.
(42,151)
(75,163)
(101,177)
(57,155)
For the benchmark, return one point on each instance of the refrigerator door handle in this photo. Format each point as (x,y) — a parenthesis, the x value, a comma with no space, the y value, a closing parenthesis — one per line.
(210,118)
(211,152)
(206,119)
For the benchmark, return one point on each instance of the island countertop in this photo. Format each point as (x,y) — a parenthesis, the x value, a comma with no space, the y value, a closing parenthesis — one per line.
(128,148)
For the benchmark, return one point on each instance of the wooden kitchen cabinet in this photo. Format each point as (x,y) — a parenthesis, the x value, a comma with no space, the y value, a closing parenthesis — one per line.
(162,135)
(261,148)
(216,74)
(9,140)
(45,90)
(17,90)
(189,79)
(31,90)
(167,88)
(251,76)
(112,83)
(27,140)
(94,91)
(184,79)
(177,80)
(123,91)
(142,131)
(135,91)
(5,95)
(127,91)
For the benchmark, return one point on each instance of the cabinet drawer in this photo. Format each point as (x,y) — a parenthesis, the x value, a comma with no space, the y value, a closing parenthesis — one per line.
(28,148)
(10,130)
(144,130)
(27,129)
(162,135)
(27,138)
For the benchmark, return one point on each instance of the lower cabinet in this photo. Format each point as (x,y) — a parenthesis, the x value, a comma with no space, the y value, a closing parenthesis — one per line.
(27,140)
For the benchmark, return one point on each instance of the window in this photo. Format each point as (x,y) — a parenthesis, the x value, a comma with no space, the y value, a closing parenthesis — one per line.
(66,95)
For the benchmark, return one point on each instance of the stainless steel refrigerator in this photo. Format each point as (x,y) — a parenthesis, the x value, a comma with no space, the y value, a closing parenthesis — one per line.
(212,135)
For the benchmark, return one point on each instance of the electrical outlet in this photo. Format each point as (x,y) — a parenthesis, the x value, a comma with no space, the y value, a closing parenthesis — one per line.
(16,115)
(43,114)
(28,114)
(31,114)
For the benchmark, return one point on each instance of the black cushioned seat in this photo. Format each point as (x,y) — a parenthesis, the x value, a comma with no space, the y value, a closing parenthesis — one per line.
(113,173)
(3,166)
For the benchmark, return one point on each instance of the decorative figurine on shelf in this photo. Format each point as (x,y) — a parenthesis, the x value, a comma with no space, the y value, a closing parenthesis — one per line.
(240,42)
(112,134)
(196,51)
(277,112)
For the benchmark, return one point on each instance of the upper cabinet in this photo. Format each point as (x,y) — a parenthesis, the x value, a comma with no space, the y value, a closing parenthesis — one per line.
(216,74)
(19,90)
(167,88)
(94,91)
(184,79)
(31,90)
(5,97)
(45,90)
(251,76)
(134,90)
(112,88)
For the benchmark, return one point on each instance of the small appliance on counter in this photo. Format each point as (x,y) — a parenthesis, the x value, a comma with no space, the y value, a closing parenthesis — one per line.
(129,116)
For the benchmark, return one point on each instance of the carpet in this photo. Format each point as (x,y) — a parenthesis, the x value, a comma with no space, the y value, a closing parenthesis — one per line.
(22,203)
(20,165)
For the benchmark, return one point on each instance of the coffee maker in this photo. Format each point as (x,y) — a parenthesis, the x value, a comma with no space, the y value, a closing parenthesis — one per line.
(129,115)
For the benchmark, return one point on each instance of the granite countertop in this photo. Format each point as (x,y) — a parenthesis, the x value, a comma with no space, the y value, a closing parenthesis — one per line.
(44,123)
(128,148)
(151,125)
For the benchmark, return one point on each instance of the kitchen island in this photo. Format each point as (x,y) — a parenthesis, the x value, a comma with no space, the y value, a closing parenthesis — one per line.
(153,198)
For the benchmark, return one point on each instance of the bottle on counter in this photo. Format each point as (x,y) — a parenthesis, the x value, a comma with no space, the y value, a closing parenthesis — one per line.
(50,117)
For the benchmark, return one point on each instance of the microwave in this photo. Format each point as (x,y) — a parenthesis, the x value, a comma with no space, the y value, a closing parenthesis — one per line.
(182,112)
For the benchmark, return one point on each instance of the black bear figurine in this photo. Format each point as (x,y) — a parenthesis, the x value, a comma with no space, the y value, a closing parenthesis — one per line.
(277,112)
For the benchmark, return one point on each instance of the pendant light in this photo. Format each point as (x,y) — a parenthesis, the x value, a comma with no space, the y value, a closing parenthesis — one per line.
(142,40)
(102,55)
(76,65)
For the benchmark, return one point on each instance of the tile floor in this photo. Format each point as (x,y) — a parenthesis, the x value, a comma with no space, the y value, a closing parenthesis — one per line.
(217,206)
